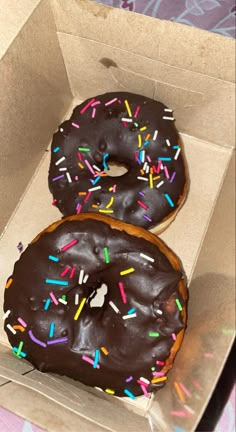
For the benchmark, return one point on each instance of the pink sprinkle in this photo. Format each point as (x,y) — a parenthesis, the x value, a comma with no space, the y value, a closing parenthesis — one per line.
(75,125)
(178,413)
(166,172)
(142,204)
(80,156)
(197,385)
(90,361)
(125,124)
(78,208)
(114,188)
(111,102)
(144,391)
(137,111)
(154,169)
(173,336)
(93,112)
(87,106)
(22,322)
(95,103)
(140,382)
(185,390)
(53,298)
(69,245)
(54,202)
(209,355)
(87,196)
(148,159)
(63,273)
(159,166)
(122,292)
(89,166)
(119,101)
(76,178)
(72,272)
(158,374)
(161,363)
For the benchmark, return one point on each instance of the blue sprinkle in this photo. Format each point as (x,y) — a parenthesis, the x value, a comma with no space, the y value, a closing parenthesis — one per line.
(164,158)
(168,198)
(146,143)
(176,147)
(22,354)
(56,149)
(96,180)
(47,303)
(56,282)
(51,329)
(179,429)
(128,393)
(95,363)
(53,258)
(104,161)
(130,311)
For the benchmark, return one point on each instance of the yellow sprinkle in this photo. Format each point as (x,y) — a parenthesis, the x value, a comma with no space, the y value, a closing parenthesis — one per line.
(104,350)
(110,202)
(150,181)
(110,391)
(80,309)
(157,380)
(81,165)
(9,282)
(139,140)
(106,211)
(110,189)
(143,128)
(128,108)
(125,272)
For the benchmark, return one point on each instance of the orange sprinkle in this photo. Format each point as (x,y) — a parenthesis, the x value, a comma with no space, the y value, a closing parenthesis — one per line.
(104,350)
(157,177)
(94,205)
(151,170)
(142,172)
(80,165)
(82,193)
(9,282)
(159,379)
(19,327)
(179,392)
(147,137)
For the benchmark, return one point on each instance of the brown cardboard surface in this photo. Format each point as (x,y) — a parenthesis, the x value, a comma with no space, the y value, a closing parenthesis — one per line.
(192,71)
(171,43)
(34,94)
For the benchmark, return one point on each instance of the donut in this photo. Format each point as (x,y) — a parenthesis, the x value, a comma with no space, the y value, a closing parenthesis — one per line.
(124,347)
(127,130)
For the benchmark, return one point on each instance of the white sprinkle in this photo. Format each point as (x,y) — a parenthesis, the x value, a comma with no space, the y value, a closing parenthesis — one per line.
(189,409)
(168,110)
(177,154)
(129,120)
(144,166)
(160,184)
(61,130)
(144,380)
(147,169)
(162,167)
(68,177)
(76,299)
(6,315)
(11,328)
(125,317)
(62,169)
(94,188)
(155,135)
(142,178)
(147,257)
(62,301)
(96,168)
(159,311)
(168,142)
(81,276)
(85,278)
(114,307)
(60,160)
(168,118)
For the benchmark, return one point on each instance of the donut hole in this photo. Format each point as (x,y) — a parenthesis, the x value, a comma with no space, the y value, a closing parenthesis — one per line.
(97,298)
(116,169)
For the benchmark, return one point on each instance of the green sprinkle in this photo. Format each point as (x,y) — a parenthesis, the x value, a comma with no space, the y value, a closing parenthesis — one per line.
(153,368)
(63,297)
(227,331)
(106,255)
(84,149)
(178,304)
(19,348)
(136,124)
(154,334)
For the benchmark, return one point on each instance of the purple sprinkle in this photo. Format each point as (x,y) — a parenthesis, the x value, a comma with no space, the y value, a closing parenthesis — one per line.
(59,340)
(141,194)
(129,379)
(59,177)
(147,218)
(173,176)
(20,247)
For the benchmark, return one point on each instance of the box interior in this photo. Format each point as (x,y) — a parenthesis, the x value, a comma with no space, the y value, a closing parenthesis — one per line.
(56,60)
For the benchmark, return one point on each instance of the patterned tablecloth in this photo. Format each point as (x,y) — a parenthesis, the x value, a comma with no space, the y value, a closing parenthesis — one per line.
(217,16)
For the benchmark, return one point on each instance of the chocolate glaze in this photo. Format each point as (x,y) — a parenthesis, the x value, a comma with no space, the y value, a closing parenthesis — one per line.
(151,290)
(100,128)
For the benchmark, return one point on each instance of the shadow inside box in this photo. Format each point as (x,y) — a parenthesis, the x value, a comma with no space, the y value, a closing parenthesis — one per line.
(220,396)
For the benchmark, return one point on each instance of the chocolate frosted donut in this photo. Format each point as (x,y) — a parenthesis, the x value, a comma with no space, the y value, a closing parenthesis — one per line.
(124,129)
(124,347)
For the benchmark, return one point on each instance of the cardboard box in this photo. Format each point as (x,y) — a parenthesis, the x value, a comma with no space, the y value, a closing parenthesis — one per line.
(53,55)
